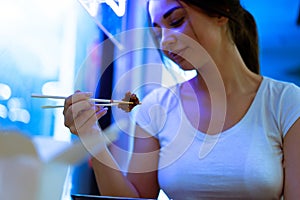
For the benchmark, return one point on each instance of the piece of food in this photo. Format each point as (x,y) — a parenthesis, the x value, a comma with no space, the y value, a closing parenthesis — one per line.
(130,97)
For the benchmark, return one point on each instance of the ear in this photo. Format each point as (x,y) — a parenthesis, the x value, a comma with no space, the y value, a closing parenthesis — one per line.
(221,20)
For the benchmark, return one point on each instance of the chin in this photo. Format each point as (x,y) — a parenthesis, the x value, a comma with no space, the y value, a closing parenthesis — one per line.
(186,66)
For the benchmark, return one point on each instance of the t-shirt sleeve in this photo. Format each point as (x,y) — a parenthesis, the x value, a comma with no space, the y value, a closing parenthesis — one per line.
(290,107)
(151,115)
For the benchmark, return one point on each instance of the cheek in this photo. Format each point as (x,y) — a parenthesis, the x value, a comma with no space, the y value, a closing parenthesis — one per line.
(189,36)
(206,33)
(187,31)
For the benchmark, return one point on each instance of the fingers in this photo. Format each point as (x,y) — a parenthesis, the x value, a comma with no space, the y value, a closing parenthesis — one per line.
(76,109)
(84,122)
(76,97)
(90,121)
(79,112)
(101,111)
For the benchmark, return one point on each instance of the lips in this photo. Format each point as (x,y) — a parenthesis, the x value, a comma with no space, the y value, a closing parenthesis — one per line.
(176,55)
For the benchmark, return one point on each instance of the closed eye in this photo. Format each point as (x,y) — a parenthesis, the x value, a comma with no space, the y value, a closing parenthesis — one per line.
(177,23)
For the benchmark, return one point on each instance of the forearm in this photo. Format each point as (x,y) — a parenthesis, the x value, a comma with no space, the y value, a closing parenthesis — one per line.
(111,181)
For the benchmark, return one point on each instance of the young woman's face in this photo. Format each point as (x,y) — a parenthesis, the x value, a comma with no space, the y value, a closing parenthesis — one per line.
(180,29)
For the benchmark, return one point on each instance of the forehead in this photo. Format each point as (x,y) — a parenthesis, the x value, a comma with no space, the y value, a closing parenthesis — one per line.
(157,8)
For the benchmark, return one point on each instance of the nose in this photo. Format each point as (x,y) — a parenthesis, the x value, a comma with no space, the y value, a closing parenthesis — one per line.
(168,40)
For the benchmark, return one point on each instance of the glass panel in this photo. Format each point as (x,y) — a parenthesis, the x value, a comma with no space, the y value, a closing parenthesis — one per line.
(108,15)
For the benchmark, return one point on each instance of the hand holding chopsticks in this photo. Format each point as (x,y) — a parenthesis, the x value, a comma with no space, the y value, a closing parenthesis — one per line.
(102,102)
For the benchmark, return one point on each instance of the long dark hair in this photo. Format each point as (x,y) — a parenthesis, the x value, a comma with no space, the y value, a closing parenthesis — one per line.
(242,26)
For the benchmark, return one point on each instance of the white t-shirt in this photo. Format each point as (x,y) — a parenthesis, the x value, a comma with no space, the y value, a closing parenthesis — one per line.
(243,162)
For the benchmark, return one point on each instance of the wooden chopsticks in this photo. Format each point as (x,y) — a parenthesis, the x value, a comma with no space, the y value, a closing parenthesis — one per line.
(101,102)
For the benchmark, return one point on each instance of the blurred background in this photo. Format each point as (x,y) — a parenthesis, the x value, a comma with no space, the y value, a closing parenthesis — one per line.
(56,47)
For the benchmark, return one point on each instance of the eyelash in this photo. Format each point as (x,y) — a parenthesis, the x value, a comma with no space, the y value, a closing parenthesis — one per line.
(177,23)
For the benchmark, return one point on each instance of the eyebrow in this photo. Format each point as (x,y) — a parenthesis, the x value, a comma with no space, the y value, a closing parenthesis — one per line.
(169,12)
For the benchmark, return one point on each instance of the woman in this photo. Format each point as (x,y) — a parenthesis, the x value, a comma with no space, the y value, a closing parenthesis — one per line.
(227,133)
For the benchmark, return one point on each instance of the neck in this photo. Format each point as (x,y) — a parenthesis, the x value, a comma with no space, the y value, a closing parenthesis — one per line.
(231,75)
